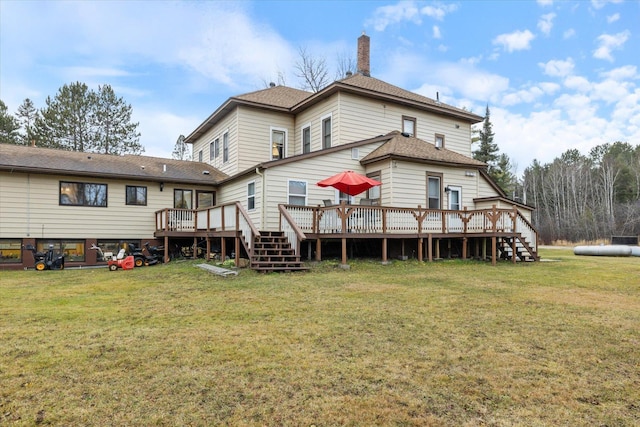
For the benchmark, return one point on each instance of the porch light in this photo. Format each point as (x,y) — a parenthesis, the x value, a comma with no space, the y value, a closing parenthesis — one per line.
(161,186)
(447,189)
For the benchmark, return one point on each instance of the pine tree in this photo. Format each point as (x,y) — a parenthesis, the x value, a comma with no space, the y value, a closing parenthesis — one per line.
(9,126)
(487,151)
(66,121)
(26,115)
(114,131)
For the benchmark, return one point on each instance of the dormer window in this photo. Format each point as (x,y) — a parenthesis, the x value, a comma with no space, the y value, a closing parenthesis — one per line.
(439,141)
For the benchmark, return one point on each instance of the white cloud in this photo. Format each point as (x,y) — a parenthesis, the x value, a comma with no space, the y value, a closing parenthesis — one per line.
(608,42)
(599,4)
(613,18)
(569,33)
(522,96)
(545,23)
(577,83)
(626,72)
(558,68)
(545,2)
(436,32)
(439,11)
(518,40)
(387,15)
(384,16)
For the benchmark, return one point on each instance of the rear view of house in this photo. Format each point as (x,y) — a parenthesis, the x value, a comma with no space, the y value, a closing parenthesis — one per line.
(253,185)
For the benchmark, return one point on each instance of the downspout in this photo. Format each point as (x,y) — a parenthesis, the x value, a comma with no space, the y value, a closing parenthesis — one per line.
(262,198)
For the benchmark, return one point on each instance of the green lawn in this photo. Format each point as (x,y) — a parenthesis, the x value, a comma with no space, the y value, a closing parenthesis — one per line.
(446,343)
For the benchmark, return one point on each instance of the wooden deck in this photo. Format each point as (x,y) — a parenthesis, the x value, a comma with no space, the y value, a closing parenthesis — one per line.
(486,233)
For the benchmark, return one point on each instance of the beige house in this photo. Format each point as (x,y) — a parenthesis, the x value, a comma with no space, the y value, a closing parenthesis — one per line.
(262,154)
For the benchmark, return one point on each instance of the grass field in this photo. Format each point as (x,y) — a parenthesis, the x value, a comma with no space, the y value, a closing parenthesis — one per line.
(450,343)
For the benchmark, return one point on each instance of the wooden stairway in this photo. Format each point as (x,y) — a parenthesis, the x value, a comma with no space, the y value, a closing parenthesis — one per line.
(272,252)
(524,252)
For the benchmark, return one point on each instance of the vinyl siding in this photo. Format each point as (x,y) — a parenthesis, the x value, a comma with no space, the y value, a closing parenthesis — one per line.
(228,124)
(255,135)
(314,116)
(363,118)
(311,171)
(237,192)
(29,207)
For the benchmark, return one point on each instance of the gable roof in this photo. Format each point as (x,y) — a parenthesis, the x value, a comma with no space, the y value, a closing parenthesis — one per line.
(19,158)
(289,100)
(378,89)
(278,98)
(399,146)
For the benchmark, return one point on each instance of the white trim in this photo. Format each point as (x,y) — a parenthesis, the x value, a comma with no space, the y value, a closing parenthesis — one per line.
(284,143)
(457,189)
(304,127)
(322,119)
(306,190)
(249,196)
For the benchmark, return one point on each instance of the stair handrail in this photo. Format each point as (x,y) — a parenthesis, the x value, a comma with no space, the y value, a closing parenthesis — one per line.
(288,226)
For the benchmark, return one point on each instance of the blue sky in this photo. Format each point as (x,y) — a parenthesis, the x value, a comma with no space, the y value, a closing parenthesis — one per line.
(556,74)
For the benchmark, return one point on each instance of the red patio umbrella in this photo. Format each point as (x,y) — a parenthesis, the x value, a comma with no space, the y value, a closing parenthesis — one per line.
(349,182)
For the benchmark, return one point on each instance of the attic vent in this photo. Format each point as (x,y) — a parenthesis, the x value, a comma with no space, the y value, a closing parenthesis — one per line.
(205,172)
(406,134)
(272,84)
(349,74)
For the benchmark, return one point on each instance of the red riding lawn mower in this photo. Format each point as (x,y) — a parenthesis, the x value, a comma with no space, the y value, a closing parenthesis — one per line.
(116,261)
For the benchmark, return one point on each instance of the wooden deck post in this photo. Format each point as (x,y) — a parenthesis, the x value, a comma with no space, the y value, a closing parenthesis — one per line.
(384,251)
(420,243)
(464,248)
(195,248)
(166,248)
(318,250)
(344,251)
(493,250)
(513,248)
(223,249)
(484,248)
(437,248)
(207,257)
(430,248)
(237,248)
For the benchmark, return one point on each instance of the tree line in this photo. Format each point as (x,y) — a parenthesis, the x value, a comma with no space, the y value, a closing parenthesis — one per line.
(75,119)
(586,197)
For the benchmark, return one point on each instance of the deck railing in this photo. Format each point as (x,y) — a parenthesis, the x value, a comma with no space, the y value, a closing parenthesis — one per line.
(345,218)
(227,217)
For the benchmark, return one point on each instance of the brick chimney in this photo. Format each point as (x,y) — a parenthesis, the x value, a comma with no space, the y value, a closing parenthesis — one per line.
(363,55)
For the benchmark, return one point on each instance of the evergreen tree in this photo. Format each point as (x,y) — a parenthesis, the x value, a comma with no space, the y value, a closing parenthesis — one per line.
(181,150)
(114,131)
(27,114)
(503,176)
(487,151)
(9,126)
(66,121)
(79,119)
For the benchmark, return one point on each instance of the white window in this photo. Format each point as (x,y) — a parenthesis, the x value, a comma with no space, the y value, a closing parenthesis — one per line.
(409,125)
(251,195)
(211,152)
(200,156)
(326,131)
(439,141)
(434,191)
(355,153)
(306,139)
(278,143)
(297,192)
(225,147)
(216,148)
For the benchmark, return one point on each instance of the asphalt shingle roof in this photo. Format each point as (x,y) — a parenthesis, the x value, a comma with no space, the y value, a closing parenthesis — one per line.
(45,160)
(276,96)
(409,147)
